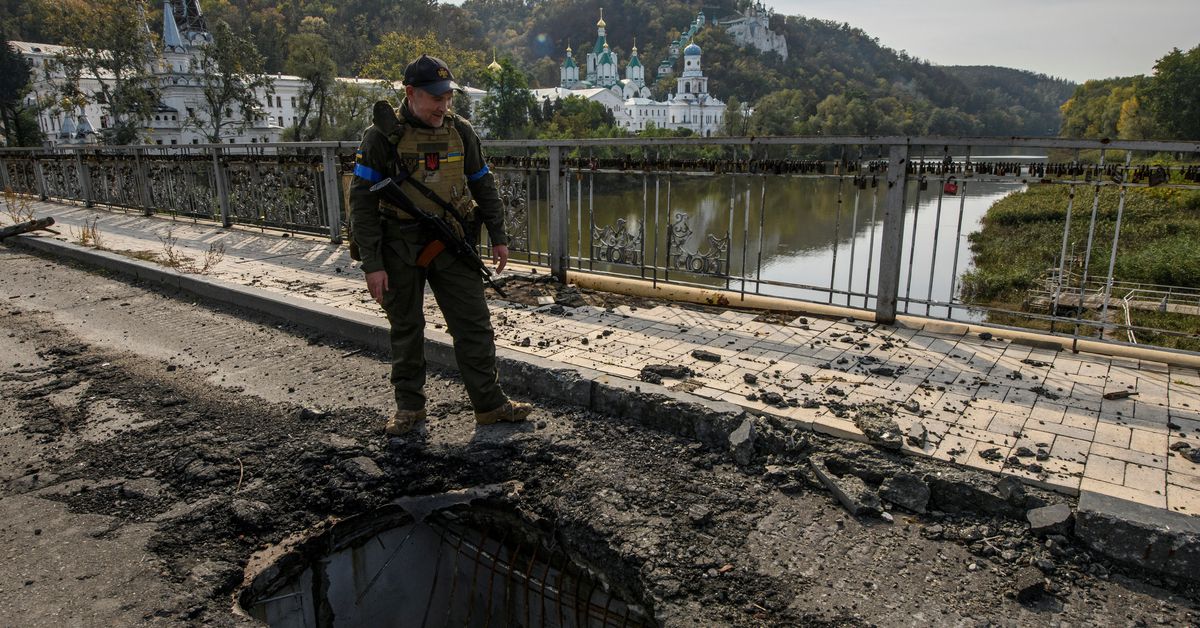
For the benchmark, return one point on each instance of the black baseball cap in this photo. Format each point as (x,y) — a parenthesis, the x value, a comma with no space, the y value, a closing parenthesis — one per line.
(430,74)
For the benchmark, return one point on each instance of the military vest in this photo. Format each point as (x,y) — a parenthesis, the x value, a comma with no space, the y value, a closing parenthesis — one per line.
(435,157)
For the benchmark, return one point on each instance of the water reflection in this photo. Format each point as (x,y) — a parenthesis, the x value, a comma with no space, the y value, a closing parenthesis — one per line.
(820,236)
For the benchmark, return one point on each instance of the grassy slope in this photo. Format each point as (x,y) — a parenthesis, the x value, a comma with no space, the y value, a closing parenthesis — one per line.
(1022,237)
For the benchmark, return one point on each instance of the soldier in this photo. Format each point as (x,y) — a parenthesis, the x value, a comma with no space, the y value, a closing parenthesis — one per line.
(439,149)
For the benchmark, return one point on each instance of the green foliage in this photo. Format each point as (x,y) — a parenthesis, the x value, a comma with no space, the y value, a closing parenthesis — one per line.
(577,117)
(1173,94)
(230,72)
(1163,106)
(396,50)
(108,41)
(15,115)
(505,111)
(309,58)
(1159,241)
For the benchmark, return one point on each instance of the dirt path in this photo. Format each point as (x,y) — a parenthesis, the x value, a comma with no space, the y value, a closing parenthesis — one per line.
(149,446)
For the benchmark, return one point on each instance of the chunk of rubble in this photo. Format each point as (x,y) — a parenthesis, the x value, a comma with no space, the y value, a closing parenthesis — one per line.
(1053,519)
(1029,584)
(741,442)
(850,491)
(918,435)
(705,356)
(906,491)
(654,373)
(878,426)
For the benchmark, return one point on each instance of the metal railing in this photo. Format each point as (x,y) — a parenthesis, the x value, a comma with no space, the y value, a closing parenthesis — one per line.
(874,223)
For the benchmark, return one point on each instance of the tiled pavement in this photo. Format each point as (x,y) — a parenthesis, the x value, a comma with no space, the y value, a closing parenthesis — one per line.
(992,404)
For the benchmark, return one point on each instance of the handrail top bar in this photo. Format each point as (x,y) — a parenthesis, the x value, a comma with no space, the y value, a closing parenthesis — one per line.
(93,148)
(797,140)
(865,140)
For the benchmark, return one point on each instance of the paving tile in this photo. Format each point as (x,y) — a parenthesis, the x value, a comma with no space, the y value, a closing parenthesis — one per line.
(1114,490)
(1149,441)
(975,459)
(1146,479)
(1048,411)
(1181,465)
(1114,435)
(1104,469)
(1158,461)
(840,428)
(1183,499)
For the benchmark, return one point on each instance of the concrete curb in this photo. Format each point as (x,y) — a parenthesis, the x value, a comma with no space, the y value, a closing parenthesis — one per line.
(1149,538)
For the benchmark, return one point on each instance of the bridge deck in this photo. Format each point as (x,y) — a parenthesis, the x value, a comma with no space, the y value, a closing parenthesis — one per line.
(995,405)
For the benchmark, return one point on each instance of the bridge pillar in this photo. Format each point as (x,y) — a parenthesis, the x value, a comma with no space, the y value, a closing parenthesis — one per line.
(892,248)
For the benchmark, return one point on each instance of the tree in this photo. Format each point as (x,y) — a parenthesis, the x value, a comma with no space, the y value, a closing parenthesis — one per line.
(15,116)
(349,111)
(1173,96)
(505,109)
(309,57)
(108,43)
(737,119)
(396,50)
(579,117)
(230,71)
(784,112)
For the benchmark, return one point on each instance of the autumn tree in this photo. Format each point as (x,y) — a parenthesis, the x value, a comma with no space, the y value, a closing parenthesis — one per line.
(396,50)
(309,58)
(230,71)
(17,121)
(109,45)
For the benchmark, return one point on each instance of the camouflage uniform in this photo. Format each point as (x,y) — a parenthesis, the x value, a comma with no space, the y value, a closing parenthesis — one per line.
(387,239)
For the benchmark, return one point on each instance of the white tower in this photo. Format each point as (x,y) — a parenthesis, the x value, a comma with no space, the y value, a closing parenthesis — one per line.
(568,72)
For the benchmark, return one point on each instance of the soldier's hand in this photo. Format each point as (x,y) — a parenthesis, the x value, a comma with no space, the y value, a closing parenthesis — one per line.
(500,255)
(377,284)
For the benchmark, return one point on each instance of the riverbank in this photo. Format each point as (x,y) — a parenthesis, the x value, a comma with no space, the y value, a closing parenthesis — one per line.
(1022,238)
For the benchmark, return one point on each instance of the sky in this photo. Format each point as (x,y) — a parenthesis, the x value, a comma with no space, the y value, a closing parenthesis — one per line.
(1073,39)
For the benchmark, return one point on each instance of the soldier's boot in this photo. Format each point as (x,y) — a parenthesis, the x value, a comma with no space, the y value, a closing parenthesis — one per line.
(510,412)
(403,421)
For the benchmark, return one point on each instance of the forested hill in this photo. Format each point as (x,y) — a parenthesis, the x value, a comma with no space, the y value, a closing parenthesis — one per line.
(837,80)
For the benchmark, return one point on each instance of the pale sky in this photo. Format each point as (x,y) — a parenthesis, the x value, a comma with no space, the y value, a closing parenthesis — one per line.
(1072,39)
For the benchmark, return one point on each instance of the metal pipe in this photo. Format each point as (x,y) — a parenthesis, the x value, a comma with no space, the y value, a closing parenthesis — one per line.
(837,226)
(1062,256)
(937,230)
(762,217)
(962,205)
(1112,258)
(853,246)
(1087,256)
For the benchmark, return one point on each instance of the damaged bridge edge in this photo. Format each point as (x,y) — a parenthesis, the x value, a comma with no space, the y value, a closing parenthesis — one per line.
(1149,538)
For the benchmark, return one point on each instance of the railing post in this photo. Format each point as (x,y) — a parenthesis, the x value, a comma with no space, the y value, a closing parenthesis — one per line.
(559,256)
(892,247)
(333,200)
(40,172)
(143,175)
(222,188)
(4,174)
(85,179)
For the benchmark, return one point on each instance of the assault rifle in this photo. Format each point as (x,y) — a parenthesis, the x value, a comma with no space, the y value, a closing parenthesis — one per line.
(445,235)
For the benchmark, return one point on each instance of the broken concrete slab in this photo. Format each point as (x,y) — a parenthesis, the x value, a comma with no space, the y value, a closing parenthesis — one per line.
(1053,519)
(918,435)
(877,424)
(850,491)
(1151,538)
(906,491)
